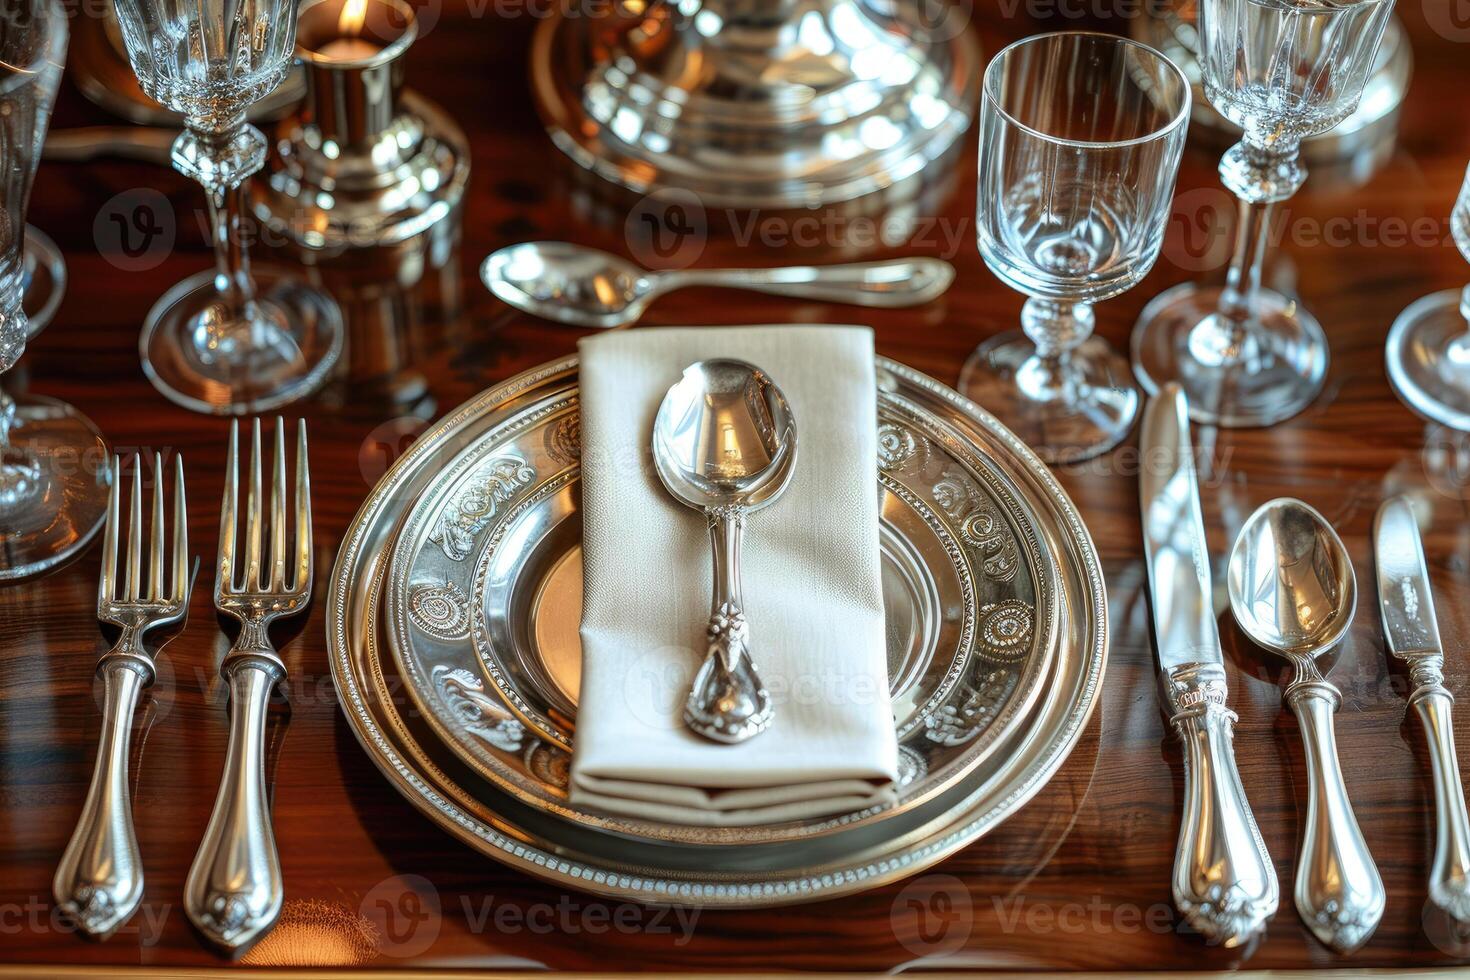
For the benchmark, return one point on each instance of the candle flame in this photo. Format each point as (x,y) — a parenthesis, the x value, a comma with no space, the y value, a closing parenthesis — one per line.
(354,13)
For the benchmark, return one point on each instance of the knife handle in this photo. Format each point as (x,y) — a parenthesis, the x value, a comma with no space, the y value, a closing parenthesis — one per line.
(1224,883)
(1339,893)
(1449,879)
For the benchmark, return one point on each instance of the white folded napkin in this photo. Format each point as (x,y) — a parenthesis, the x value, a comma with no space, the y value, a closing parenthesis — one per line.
(813,598)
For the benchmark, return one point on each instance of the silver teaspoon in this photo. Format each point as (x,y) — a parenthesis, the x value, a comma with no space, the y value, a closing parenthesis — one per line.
(724,443)
(1292,591)
(589,288)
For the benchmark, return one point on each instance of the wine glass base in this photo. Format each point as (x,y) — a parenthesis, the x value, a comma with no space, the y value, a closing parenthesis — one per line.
(286,355)
(1278,376)
(53,487)
(1087,417)
(45,280)
(1428,359)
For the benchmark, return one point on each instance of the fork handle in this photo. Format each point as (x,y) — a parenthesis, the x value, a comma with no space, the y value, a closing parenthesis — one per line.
(99,882)
(234,892)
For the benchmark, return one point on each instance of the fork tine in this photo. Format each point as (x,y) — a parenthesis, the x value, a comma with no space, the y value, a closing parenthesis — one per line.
(155,551)
(134,580)
(278,511)
(181,535)
(107,582)
(229,518)
(303,513)
(252,514)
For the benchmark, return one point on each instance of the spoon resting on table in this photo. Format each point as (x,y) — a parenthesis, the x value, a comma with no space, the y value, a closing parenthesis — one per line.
(590,288)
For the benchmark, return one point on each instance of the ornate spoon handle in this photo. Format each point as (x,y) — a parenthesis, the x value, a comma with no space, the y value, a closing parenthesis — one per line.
(1338,890)
(727,701)
(99,881)
(234,890)
(1224,883)
(1449,879)
(885,283)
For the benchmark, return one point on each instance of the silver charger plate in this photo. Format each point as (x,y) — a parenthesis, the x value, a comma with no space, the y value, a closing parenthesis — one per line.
(794,864)
(484,592)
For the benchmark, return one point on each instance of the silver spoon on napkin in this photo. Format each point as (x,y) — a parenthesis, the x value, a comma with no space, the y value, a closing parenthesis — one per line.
(590,288)
(724,443)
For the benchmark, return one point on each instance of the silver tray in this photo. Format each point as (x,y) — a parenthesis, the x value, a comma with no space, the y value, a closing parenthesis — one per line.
(506,803)
(484,595)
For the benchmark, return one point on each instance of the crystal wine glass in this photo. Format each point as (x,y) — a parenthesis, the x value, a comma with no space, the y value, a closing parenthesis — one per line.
(232,340)
(1080,141)
(1281,70)
(1428,354)
(53,472)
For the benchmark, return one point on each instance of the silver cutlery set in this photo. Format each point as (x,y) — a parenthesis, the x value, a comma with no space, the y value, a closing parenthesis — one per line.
(233,892)
(1292,592)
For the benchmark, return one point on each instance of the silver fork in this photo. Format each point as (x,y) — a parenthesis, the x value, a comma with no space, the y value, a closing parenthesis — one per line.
(233,893)
(99,881)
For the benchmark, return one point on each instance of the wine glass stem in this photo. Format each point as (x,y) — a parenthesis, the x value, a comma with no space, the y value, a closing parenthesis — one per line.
(232,261)
(1243,280)
(1056,327)
(1261,176)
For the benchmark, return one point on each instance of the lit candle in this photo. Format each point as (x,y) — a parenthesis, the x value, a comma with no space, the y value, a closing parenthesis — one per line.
(349,49)
(350,45)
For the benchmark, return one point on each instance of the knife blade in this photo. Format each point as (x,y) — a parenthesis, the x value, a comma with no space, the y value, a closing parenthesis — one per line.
(1406,607)
(1224,883)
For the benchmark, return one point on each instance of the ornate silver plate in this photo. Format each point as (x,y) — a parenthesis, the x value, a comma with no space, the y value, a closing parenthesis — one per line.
(466,554)
(484,597)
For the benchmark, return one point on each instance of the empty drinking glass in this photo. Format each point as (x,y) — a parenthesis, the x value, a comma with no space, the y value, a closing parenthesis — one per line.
(1281,70)
(229,340)
(53,473)
(1080,141)
(1428,355)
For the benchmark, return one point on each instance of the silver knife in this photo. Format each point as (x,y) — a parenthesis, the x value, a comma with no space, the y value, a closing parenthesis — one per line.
(1224,883)
(1407,608)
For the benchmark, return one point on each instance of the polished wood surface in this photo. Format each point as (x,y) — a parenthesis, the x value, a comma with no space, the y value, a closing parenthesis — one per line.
(1078,879)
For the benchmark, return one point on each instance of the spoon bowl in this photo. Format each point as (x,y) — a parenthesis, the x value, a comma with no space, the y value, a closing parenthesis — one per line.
(1291,583)
(724,443)
(724,436)
(567,283)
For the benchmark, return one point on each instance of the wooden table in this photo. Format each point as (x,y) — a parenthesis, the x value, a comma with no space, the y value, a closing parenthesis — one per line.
(1078,879)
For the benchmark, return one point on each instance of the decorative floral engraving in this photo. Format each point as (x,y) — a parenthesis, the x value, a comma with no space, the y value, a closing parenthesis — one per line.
(988,534)
(227,915)
(549,764)
(898,447)
(497,481)
(972,710)
(912,766)
(93,909)
(564,440)
(480,714)
(442,611)
(1005,629)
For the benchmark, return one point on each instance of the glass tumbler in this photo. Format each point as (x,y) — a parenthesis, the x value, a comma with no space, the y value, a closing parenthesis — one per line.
(1281,70)
(53,461)
(234,340)
(1080,141)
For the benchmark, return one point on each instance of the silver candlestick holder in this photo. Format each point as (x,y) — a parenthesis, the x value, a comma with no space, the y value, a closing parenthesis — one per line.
(363,162)
(758,103)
